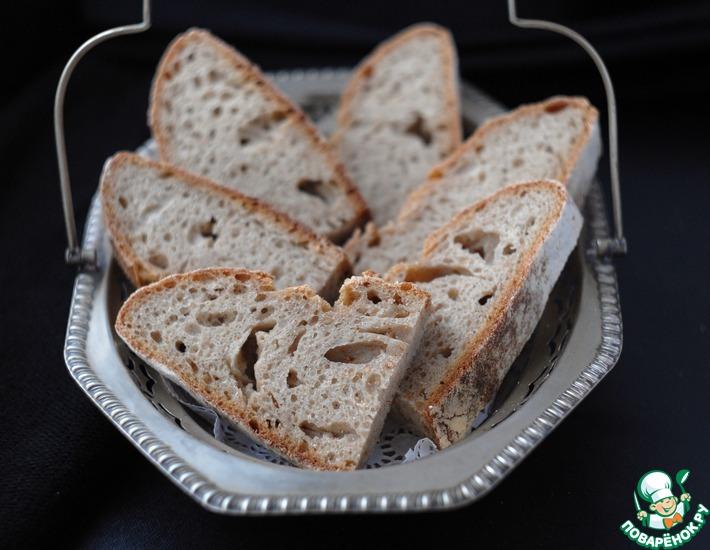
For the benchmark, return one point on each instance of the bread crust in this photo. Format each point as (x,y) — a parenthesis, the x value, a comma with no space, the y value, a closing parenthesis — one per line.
(359,77)
(556,103)
(286,446)
(140,273)
(361,213)
(477,369)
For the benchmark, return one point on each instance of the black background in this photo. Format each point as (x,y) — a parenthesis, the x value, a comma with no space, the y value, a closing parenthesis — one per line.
(67,478)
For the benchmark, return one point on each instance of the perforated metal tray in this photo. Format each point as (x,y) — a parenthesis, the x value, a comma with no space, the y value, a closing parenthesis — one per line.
(577,341)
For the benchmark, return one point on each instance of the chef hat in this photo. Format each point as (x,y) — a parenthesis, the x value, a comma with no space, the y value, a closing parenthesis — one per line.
(654,486)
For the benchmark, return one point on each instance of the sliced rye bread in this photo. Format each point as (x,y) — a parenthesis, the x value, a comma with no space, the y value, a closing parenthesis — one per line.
(489,271)
(399,116)
(556,139)
(163,220)
(214,113)
(312,382)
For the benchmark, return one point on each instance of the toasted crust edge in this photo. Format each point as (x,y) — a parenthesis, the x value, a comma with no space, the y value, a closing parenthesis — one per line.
(284,446)
(423,414)
(140,274)
(360,210)
(344,116)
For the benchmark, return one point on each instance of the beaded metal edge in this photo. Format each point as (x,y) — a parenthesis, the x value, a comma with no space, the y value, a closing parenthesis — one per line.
(475,486)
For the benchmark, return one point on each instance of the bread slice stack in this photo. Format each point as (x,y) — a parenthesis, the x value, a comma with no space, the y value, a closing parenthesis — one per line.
(312,382)
(399,116)
(489,271)
(215,114)
(556,139)
(162,220)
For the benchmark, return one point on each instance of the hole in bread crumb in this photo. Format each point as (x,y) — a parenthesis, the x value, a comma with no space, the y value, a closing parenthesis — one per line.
(314,188)
(446,352)
(517,162)
(483,300)
(356,353)
(122,201)
(479,242)
(372,382)
(156,336)
(508,249)
(427,273)
(297,340)
(348,296)
(215,318)
(334,429)
(453,293)
(158,260)
(373,297)
(418,129)
(216,111)
(180,346)
(248,355)
(259,128)
(335,405)
(292,379)
(193,366)
(207,229)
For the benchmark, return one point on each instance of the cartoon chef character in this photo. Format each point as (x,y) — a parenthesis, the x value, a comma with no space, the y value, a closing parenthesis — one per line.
(666,509)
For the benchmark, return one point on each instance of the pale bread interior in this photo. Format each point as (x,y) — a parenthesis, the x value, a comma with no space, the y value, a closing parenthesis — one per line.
(215,114)
(310,381)
(474,267)
(542,141)
(163,221)
(399,116)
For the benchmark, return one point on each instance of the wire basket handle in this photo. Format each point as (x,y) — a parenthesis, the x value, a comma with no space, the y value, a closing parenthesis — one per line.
(617,244)
(75,254)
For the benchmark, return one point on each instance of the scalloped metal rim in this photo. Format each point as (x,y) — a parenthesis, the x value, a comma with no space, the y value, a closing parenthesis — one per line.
(476,485)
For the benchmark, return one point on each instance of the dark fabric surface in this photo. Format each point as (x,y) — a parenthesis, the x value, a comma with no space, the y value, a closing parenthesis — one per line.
(67,478)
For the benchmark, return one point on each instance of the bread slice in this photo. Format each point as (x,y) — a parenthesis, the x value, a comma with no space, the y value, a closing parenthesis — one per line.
(556,139)
(489,271)
(163,220)
(399,116)
(214,113)
(311,382)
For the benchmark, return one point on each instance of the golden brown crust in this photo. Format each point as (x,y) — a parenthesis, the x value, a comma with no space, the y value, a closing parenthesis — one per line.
(140,273)
(494,325)
(553,104)
(359,77)
(360,210)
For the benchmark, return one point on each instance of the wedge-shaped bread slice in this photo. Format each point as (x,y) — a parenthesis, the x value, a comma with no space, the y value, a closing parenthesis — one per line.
(312,382)
(214,113)
(399,116)
(557,139)
(489,272)
(163,220)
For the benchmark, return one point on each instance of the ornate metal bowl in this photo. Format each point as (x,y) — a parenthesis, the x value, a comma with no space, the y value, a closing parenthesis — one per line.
(577,341)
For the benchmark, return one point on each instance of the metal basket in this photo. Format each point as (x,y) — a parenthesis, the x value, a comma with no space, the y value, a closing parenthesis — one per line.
(577,341)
